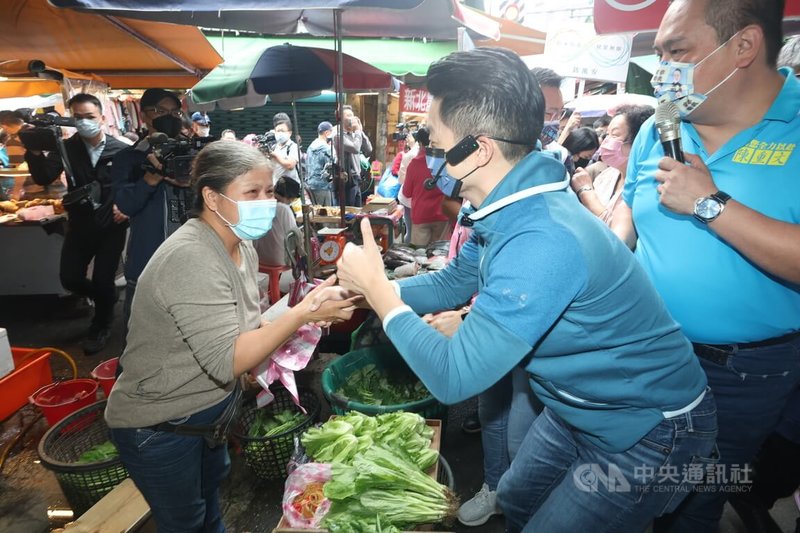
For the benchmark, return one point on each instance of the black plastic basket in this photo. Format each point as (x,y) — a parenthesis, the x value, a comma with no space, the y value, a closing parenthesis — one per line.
(268,456)
(83,484)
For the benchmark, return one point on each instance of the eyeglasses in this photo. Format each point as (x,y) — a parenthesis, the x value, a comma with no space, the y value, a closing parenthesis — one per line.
(160,112)
(553,113)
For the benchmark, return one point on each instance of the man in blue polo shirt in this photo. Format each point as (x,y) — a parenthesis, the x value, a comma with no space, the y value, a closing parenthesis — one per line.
(719,237)
(626,400)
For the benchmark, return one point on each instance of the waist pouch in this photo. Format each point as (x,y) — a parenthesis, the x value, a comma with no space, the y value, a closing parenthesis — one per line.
(214,434)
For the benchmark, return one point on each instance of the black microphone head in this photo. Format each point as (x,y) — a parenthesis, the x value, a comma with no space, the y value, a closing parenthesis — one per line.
(429,184)
(668,121)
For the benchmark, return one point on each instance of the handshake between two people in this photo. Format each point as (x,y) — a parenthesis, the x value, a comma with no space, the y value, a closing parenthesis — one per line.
(362,282)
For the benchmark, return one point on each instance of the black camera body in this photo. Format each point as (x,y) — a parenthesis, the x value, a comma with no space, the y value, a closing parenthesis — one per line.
(176,155)
(403,129)
(267,142)
(45,133)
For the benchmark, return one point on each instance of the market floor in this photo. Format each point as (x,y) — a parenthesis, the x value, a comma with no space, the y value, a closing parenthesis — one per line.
(27,489)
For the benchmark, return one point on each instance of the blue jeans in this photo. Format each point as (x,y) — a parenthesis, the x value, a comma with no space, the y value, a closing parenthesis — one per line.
(751,391)
(506,411)
(178,475)
(559,481)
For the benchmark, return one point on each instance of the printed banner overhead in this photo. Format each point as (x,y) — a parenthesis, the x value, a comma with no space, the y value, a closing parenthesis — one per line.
(414,100)
(626,16)
(577,52)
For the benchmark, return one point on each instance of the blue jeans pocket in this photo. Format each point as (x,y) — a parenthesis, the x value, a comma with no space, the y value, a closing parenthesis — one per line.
(767,362)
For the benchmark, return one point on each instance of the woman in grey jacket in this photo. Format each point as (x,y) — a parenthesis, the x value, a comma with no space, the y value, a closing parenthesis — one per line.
(195,328)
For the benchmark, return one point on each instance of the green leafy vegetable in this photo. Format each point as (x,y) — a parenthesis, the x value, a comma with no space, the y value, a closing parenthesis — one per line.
(99,452)
(373,386)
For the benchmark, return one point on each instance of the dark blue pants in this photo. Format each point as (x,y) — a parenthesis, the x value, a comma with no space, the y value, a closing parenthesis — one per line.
(178,475)
(751,389)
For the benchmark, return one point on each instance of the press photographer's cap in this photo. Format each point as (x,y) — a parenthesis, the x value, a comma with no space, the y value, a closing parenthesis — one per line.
(200,118)
(324,126)
(151,97)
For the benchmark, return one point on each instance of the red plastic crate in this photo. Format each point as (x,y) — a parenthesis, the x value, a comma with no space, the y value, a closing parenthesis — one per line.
(29,375)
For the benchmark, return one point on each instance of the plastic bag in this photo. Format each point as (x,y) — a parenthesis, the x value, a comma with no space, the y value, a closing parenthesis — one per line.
(311,477)
(389,185)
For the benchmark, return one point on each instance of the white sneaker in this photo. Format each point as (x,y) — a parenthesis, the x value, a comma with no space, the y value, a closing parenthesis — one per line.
(478,510)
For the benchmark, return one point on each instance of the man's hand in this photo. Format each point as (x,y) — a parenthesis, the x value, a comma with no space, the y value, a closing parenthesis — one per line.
(446,322)
(681,185)
(119,216)
(357,124)
(360,269)
(153,178)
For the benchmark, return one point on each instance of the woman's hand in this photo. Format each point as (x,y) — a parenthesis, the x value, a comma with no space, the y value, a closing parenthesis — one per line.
(446,322)
(580,179)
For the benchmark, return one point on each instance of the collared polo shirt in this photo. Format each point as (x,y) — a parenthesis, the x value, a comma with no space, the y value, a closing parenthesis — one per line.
(716,294)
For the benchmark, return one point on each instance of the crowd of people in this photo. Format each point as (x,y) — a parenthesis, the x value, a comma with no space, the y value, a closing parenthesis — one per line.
(629,323)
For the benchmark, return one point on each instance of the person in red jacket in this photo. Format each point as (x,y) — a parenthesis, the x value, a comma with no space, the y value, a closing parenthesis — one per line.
(428,222)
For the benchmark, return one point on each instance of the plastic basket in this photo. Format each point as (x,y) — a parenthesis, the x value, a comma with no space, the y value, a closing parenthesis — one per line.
(83,484)
(268,456)
(384,357)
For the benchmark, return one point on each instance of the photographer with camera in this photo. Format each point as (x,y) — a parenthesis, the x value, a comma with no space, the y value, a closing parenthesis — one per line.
(355,142)
(12,122)
(95,227)
(151,191)
(284,153)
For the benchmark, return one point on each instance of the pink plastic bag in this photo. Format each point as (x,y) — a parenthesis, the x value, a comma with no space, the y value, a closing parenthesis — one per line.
(294,355)
(296,483)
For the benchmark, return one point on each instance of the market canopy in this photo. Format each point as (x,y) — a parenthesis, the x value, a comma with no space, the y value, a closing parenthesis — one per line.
(125,53)
(436,19)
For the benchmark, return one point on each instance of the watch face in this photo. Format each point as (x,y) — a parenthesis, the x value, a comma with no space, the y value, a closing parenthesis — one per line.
(708,208)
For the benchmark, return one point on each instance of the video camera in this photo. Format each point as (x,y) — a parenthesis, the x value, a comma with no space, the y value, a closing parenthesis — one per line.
(46,131)
(403,129)
(266,142)
(176,155)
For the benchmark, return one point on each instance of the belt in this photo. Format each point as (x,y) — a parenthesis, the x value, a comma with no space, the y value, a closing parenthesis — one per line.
(720,353)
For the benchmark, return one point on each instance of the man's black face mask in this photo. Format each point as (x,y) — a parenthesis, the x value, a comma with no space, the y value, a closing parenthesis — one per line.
(169,125)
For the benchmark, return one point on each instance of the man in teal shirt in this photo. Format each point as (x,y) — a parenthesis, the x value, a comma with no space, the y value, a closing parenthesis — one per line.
(558,294)
(719,237)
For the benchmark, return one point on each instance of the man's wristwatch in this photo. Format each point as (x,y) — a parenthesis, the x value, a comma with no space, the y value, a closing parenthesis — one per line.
(709,208)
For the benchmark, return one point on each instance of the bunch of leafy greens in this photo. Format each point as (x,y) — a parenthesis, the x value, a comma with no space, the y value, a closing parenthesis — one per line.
(341,440)
(267,424)
(372,386)
(381,488)
(99,452)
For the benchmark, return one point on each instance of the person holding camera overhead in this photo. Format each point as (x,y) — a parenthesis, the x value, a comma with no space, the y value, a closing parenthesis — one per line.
(95,227)
(156,203)
(355,142)
(195,328)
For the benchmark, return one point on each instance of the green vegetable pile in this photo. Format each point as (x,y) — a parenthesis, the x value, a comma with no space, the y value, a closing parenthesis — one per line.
(373,386)
(342,439)
(379,482)
(268,424)
(99,452)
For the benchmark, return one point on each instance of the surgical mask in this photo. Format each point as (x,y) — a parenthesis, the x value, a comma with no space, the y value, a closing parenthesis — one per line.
(673,81)
(582,162)
(255,218)
(449,186)
(87,128)
(282,137)
(169,125)
(611,153)
(203,132)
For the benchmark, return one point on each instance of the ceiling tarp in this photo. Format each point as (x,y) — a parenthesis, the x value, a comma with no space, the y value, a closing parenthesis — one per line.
(523,40)
(397,57)
(125,53)
(436,19)
(26,86)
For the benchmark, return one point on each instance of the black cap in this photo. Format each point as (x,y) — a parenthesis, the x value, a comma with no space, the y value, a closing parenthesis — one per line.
(151,97)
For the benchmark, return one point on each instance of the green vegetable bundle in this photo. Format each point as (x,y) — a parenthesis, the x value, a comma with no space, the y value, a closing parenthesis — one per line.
(342,439)
(381,488)
(99,452)
(372,386)
(266,424)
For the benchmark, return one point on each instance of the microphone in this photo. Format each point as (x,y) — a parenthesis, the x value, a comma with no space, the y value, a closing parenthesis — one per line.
(668,125)
(435,154)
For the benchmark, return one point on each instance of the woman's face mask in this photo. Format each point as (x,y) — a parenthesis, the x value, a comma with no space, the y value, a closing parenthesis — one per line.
(611,151)
(282,137)
(255,218)
(674,81)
